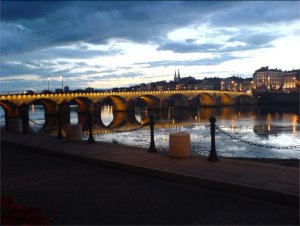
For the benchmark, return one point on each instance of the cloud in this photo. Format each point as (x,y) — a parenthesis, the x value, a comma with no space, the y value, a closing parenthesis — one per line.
(255,13)
(94,22)
(46,38)
(64,53)
(119,76)
(249,40)
(179,47)
(198,62)
(40,69)
(20,84)
(72,53)
(256,38)
(188,47)
(63,62)
(13,69)
(18,10)
(46,24)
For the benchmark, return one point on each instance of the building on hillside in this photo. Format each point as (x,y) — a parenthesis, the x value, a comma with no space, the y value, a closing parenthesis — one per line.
(181,86)
(165,87)
(265,79)
(232,83)
(291,82)
(191,86)
(247,85)
(145,87)
(275,80)
(209,84)
(297,81)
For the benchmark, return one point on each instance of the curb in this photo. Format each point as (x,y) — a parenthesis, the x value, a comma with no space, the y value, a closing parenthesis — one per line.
(206,183)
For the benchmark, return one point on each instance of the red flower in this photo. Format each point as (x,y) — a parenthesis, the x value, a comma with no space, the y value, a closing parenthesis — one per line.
(14,214)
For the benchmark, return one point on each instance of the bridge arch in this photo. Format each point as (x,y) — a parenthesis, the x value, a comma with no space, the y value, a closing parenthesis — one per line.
(118,103)
(84,103)
(225,100)
(49,105)
(119,119)
(10,108)
(151,101)
(50,108)
(121,100)
(84,106)
(203,99)
(177,100)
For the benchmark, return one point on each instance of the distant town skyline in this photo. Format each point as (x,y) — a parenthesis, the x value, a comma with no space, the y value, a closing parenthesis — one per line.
(115,44)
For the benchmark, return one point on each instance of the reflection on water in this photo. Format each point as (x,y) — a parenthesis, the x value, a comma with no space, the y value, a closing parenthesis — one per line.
(36,117)
(251,124)
(73,114)
(273,128)
(107,115)
(141,115)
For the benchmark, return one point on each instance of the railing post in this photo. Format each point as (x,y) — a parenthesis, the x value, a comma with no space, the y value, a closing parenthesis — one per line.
(152,147)
(6,119)
(213,154)
(24,120)
(90,122)
(59,134)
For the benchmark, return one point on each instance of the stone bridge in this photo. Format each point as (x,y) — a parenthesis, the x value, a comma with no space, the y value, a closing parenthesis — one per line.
(17,105)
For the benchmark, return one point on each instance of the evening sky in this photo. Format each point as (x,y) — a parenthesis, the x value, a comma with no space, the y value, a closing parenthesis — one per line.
(104,44)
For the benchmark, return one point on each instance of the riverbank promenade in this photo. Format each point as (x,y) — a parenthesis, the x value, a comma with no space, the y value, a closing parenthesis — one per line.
(268,182)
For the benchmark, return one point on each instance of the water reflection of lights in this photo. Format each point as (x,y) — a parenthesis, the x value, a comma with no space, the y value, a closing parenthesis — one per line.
(233,124)
(141,115)
(73,114)
(269,127)
(197,118)
(107,114)
(107,108)
(36,117)
(294,123)
(272,129)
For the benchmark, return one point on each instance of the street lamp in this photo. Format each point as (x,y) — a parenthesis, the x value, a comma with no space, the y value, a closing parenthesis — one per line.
(48,83)
(62,82)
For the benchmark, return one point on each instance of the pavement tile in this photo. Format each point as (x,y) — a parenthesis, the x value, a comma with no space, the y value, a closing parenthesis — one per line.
(280,179)
(288,177)
(284,188)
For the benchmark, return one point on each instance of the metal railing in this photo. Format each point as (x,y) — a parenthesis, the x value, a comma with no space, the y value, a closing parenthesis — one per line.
(213,128)
(34,122)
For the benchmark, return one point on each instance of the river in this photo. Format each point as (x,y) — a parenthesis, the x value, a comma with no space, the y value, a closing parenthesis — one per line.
(262,128)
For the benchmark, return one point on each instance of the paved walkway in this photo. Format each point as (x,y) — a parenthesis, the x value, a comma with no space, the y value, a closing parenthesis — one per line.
(259,180)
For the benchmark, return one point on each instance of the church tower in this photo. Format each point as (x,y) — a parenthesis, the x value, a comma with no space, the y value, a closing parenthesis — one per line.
(177,76)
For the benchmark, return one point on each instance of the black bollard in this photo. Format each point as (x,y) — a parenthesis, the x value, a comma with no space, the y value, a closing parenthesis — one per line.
(6,119)
(90,121)
(24,120)
(59,134)
(213,154)
(152,147)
